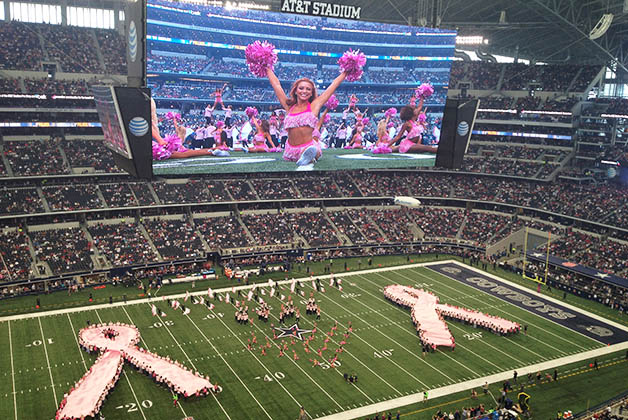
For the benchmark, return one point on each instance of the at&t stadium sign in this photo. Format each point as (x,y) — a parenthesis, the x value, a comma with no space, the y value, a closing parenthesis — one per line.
(321,8)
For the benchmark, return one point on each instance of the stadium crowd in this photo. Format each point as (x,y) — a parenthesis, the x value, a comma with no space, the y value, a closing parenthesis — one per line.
(123,244)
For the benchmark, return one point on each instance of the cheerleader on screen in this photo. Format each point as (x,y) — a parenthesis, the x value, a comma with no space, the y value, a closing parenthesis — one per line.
(414,127)
(261,137)
(302,102)
(171,147)
(382,147)
(220,138)
(218,96)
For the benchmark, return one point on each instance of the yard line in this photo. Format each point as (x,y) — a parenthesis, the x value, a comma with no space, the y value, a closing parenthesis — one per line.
(493,397)
(127,379)
(189,360)
(514,316)
(507,338)
(374,349)
(300,368)
(12,371)
(76,339)
(43,339)
(229,366)
(453,324)
(358,360)
(409,333)
(260,362)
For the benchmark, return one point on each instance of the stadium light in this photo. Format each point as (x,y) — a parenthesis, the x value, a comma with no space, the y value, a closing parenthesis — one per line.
(245,5)
(625,116)
(471,40)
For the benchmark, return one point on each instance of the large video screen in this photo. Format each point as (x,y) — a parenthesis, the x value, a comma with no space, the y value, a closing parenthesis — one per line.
(257,91)
(109,115)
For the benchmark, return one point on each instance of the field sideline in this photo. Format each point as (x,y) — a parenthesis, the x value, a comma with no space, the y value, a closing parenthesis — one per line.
(42,357)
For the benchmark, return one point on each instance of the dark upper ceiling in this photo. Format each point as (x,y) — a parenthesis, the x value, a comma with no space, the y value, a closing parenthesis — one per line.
(541,30)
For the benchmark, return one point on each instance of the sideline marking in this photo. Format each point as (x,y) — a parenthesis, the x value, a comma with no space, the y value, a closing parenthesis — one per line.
(530,292)
(468,385)
(203,293)
(509,314)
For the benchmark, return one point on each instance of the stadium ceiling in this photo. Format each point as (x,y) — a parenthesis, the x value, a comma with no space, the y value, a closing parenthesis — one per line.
(555,31)
(551,31)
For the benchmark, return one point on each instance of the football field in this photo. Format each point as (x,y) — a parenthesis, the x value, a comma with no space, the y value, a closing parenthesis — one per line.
(332,159)
(40,358)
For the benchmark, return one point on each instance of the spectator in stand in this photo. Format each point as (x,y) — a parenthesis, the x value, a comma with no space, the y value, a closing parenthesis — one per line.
(122,244)
(64,250)
(20,49)
(16,257)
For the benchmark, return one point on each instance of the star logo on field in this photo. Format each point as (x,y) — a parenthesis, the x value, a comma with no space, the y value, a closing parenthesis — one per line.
(292,332)
(601,275)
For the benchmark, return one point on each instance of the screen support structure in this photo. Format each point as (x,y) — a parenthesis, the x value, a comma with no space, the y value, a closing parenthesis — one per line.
(135,30)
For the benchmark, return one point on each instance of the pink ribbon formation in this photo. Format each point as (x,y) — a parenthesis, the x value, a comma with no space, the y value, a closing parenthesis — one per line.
(428,315)
(117,343)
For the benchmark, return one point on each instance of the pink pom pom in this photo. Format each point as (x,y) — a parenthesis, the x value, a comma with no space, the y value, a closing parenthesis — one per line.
(422,118)
(160,152)
(365,121)
(332,102)
(260,56)
(220,124)
(351,64)
(390,125)
(390,112)
(382,150)
(173,116)
(251,111)
(327,119)
(175,144)
(274,150)
(424,91)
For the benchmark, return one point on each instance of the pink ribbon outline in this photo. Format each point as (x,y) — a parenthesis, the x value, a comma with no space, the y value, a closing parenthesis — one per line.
(87,395)
(427,314)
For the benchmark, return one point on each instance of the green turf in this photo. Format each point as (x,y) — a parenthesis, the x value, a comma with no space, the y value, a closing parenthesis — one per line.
(273,162)
(546,397)
(383,351)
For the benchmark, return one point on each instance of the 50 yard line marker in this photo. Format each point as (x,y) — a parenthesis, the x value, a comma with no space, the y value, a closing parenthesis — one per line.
(12,370)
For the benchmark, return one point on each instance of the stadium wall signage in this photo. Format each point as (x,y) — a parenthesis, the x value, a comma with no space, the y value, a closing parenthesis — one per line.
(321,8)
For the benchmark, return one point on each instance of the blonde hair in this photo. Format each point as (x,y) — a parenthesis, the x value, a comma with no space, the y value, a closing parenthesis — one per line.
(292,96)
(381,129)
